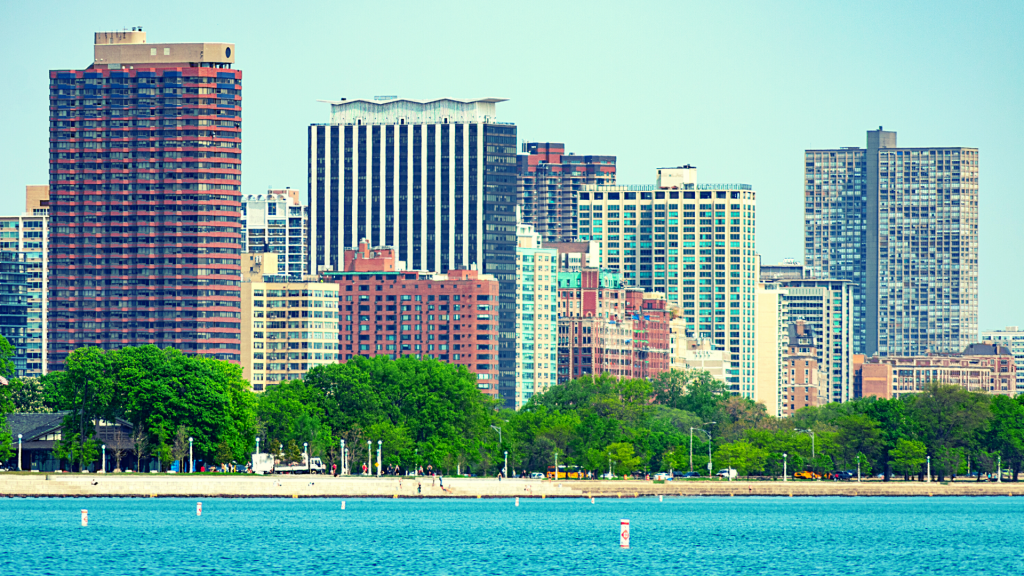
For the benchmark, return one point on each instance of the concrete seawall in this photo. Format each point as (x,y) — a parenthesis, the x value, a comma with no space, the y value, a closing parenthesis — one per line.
(143,486)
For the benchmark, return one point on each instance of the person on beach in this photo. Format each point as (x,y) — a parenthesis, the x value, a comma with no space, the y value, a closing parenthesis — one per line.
(419,488)
(441,478)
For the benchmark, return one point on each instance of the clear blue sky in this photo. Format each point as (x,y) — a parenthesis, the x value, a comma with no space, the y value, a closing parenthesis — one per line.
(738,89)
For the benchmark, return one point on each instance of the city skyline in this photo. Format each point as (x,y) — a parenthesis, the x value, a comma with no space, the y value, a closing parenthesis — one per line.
(713,123)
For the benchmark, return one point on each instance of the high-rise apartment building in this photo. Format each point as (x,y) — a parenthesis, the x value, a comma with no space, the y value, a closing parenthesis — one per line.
(14,307)
(902,225)
(434,180)
(387,310)
(145,168)
(291,326)
(27,235)
(1012,338)
(771,342)
(826,306)
(549,185)
(277,222)
(694,243)
(536,316)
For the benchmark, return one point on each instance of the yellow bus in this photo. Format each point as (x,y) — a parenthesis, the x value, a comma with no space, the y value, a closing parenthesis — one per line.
(566,473)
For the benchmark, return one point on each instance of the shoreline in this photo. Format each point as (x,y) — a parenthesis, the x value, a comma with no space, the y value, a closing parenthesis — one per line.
(23,485)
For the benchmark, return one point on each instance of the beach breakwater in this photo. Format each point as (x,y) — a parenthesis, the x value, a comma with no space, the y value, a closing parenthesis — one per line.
(301,486)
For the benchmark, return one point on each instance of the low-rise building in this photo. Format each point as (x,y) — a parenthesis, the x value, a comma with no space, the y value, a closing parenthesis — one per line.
(389,311)
(1013,338)
(690,352)
(987,367)
(288,326)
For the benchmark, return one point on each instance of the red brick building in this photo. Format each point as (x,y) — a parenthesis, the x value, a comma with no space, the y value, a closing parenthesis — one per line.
(604,327)
(451,317)
(984,367)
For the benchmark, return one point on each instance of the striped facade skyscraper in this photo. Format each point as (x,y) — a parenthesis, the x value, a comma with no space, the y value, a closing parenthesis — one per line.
(902,225)
(145,177)
(434,180)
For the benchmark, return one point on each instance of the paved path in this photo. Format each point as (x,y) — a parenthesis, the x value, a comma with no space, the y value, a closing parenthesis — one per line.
(152,486)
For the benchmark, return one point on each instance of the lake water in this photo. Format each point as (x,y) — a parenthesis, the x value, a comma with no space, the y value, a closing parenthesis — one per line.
(384,536)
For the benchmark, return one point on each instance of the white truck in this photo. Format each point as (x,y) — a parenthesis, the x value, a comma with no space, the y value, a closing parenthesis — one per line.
(266,464)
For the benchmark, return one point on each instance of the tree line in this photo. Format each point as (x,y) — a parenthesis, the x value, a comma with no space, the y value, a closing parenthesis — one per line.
(426,412)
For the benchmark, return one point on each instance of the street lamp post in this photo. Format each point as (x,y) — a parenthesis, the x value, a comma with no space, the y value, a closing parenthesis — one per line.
(858,467)
(929,458)
(341,457)
(305,453)
(609,466)
(691,442)
(191,461)
(785,473)
(379,467)
(504,471)
(19,452)
(257,444)
(556,464)
(498,430)
(811,432)
(103,460)
(369,457)
(999,468)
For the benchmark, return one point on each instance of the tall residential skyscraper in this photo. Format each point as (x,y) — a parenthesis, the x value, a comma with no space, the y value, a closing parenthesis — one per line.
(145,168)
(277,222)
(902,224)
(549,187)
(14,307)
(693,242)
(435,180)
(536,316)
(28,235)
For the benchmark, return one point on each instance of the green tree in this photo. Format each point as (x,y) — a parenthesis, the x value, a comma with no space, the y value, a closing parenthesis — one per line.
(908,456)
(693,391)
(741,455)
(85,389)
(1006,431)
(29,396)
(949,419)
(292,452)
(624,461)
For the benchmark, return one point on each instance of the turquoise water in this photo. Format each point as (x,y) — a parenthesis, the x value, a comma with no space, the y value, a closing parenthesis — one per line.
(384,536)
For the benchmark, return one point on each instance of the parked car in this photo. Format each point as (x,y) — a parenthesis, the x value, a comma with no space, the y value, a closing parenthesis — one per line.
(536,475)
(840,475)
(681,474)
(806,475)
(607,476)
(662,476)
(727,473)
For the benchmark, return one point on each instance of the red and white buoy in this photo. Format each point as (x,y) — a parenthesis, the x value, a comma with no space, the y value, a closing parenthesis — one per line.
(624,534)
(85,517)
(342,504)
(199,508)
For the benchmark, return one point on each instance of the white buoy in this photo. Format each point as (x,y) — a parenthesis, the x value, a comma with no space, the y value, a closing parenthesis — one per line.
(85,517)
(661,498)
(517,500)
(342,504)
(591,499)
(624,534)
(199,508)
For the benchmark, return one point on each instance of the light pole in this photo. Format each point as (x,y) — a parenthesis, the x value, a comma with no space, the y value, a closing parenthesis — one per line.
(999,468)
(504,471)
(858,467)
(498,430)
(379,467)
(556,464)
(341,456)
(691,442)
(257,444)
(785,474)
(813,456)
(19,452)
(305,454)
(609,466)
(103,460)
(929,458)
(191,462)
(369,457)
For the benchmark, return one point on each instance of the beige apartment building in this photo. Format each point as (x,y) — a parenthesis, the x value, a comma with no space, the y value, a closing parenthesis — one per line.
(536,315)
(772,340)
(288,327)
(689,352)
